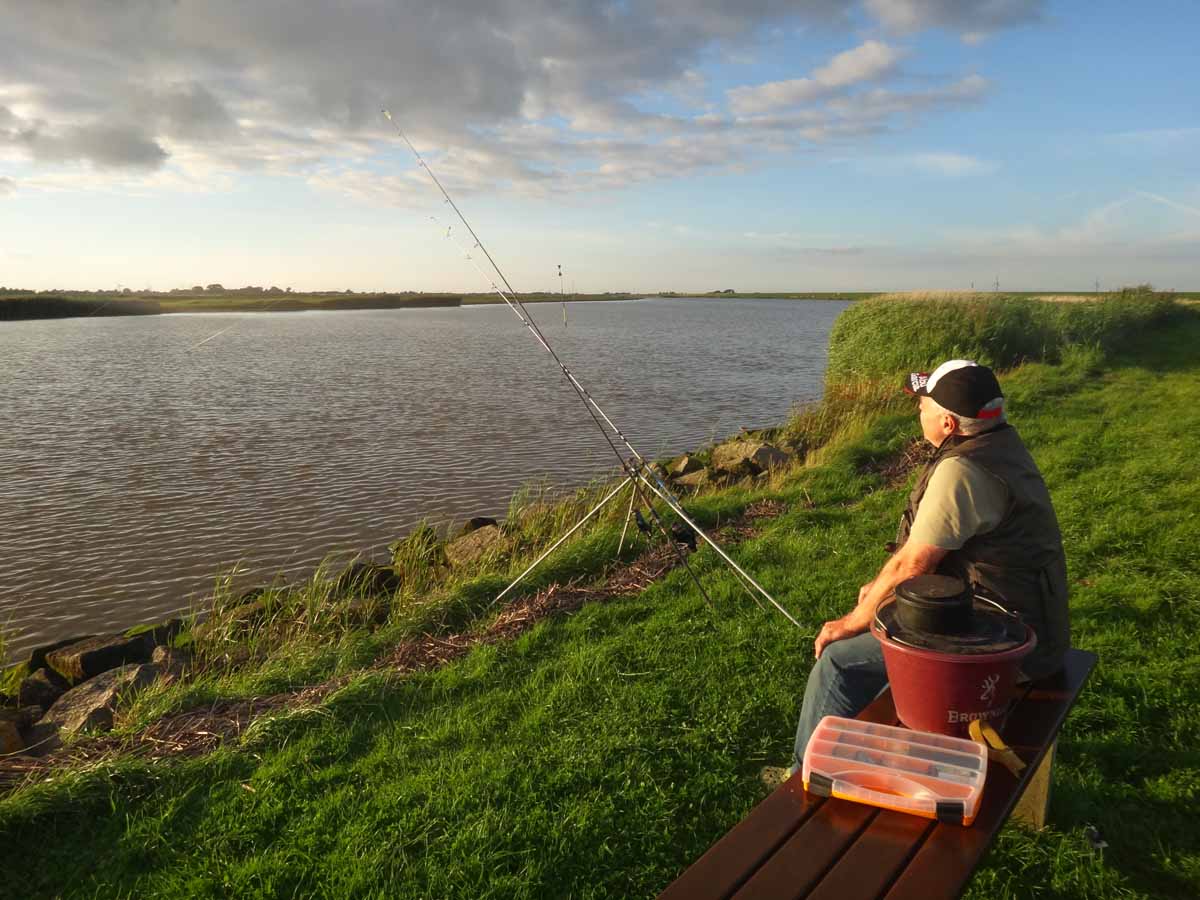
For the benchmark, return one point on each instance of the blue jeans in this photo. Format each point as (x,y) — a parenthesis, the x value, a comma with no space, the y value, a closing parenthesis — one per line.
(848,676)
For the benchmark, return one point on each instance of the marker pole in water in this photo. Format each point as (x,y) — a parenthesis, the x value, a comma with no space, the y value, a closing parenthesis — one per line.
(562,296)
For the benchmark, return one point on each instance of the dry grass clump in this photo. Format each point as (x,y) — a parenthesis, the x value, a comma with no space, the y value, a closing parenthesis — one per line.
(1068,298)
(935,295)
(845,405)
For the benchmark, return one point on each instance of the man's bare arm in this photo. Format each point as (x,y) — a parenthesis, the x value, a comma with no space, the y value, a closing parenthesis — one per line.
(911,559)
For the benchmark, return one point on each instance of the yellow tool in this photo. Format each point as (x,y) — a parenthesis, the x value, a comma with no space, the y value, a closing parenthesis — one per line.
(1000,752)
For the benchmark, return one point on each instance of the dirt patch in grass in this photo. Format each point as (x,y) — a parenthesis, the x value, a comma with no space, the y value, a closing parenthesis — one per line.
(749,523)
(895,469)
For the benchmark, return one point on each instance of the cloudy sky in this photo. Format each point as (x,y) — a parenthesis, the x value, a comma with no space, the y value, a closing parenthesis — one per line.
(669,145)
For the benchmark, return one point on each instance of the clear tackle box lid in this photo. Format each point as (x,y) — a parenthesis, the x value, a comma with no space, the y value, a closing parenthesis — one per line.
(917,772)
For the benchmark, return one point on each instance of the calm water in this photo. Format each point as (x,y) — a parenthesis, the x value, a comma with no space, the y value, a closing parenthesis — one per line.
(134,469)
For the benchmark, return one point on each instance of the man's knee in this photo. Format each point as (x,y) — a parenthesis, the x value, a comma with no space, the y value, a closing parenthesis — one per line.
(852,653)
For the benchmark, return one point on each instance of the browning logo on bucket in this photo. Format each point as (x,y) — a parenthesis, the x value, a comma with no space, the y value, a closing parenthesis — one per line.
(954,717)
(989,688)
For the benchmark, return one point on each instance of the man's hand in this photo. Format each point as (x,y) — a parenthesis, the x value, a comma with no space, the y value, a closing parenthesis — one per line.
(847,626)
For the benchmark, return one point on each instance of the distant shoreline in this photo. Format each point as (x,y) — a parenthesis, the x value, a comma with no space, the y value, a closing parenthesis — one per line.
(27,305)
(60,305)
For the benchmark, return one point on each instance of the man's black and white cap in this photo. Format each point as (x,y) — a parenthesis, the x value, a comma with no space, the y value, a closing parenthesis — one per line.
(961,386)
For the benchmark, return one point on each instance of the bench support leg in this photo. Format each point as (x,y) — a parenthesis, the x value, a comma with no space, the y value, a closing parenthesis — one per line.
(1032,808)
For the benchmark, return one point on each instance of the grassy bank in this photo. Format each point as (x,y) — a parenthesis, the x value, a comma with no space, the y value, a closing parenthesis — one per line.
(599,753)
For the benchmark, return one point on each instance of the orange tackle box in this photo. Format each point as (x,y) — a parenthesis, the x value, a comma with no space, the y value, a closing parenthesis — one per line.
(929,775)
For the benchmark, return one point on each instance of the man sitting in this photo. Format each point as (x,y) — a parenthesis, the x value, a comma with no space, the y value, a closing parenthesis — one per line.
(980,511)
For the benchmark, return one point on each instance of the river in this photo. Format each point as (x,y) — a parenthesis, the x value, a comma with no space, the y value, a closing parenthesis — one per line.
(138,460)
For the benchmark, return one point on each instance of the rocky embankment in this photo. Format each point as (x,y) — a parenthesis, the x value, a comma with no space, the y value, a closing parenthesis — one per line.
(75,685)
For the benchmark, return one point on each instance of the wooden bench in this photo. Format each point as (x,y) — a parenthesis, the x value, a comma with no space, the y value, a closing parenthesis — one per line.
(795,844)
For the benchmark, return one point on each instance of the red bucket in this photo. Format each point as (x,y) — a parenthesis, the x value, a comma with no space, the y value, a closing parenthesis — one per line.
(945,692)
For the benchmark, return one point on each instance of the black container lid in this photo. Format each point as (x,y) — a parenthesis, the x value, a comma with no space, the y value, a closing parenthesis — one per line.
(989,627)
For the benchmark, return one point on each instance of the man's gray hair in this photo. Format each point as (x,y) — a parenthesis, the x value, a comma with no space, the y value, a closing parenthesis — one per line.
(968,426)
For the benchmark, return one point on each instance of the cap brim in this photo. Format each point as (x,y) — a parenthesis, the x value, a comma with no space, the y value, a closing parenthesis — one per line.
(915,384)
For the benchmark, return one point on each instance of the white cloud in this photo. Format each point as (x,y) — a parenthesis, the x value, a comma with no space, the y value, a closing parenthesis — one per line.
(869,112)
(973,19)
(7,186)
(882,102)
(867,62)
(945,164)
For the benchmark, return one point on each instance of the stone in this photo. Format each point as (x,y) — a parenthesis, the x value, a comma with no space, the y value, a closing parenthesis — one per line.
(23,717)
(739,457)
(10,738)
(89,658)
(42,688)
(157,635)
(367,579)
(90,705)
(41,739)
(173,662)
(685,465)
(477,522)
(694,480)
(472,547)
(37,657)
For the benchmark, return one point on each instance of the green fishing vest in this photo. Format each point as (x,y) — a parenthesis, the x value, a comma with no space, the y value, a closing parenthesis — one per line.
(1021,560)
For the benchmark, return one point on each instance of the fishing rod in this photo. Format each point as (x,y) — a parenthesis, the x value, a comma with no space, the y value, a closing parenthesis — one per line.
(631,469)
(638,470)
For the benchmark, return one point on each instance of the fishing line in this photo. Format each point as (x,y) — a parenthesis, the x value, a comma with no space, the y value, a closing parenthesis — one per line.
(233,324)
(636,470)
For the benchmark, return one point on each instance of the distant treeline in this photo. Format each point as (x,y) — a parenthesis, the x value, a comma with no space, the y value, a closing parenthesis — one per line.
(54,307)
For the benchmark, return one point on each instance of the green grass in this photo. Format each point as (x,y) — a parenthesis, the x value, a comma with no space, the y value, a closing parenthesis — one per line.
(886,337)
(601,753)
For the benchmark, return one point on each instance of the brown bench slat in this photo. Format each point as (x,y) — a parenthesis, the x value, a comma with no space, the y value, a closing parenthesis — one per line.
(948,857)
(877,858)
(806,856)
(734,858)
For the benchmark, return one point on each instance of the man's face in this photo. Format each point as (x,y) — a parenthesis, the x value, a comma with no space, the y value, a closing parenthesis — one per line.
(936,425)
